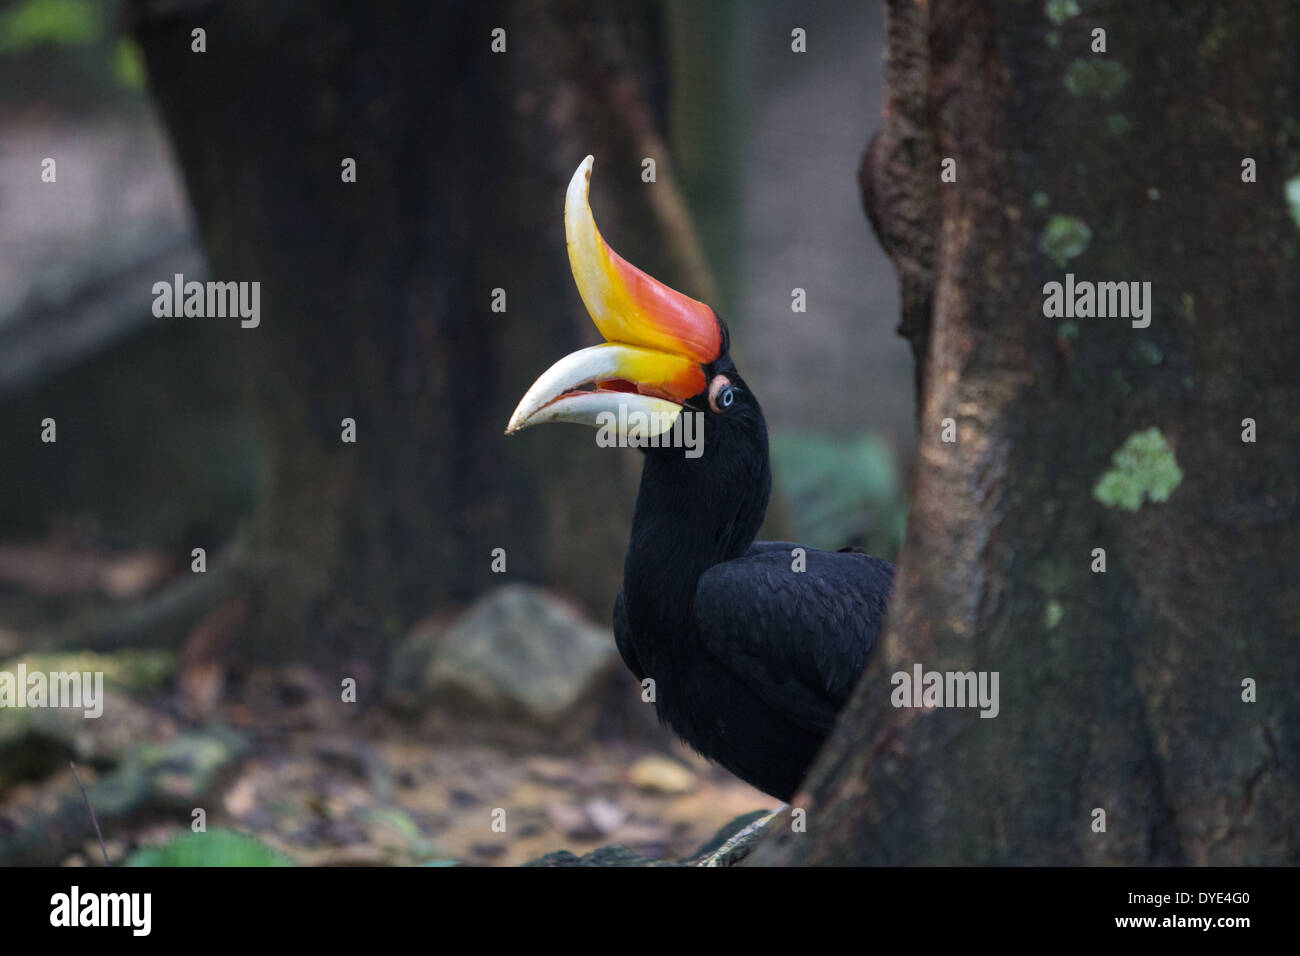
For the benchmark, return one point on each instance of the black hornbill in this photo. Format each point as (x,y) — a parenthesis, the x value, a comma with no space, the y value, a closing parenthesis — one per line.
(753,647)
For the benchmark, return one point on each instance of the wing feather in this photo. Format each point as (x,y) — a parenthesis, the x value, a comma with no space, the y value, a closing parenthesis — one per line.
(798,639)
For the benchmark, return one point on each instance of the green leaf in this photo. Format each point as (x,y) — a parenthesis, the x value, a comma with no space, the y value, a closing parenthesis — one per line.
(214,848)
(54,22)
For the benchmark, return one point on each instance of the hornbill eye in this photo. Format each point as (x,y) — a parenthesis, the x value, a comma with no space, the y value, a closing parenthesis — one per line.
(721,393)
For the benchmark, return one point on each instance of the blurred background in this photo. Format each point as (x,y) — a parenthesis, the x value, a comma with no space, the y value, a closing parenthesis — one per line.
(355,652)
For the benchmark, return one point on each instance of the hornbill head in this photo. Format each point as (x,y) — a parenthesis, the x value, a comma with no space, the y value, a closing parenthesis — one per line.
(663,352)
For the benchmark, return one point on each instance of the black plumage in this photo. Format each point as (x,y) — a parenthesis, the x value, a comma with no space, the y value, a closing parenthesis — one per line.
(751,659)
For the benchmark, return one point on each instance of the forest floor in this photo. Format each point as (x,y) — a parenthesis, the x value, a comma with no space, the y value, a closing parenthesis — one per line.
(328,789)
(283,753)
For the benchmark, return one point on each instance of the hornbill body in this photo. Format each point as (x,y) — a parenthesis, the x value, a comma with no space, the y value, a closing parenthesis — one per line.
(752,647)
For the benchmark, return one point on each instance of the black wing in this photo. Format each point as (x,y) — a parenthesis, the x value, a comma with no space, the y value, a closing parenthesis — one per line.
(798,639)
(623,638)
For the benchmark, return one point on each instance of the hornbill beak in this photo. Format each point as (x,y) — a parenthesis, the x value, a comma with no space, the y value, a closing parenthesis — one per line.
(656,339)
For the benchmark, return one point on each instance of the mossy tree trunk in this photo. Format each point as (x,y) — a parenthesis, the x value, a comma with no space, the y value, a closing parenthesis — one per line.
(1123,690)
(377,295)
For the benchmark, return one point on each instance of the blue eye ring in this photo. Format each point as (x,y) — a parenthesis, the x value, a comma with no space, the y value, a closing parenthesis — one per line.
(722,394)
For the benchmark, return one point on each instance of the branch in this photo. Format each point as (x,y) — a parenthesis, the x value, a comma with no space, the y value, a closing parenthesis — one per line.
(91,810)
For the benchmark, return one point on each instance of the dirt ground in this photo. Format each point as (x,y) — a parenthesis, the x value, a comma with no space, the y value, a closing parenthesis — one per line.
(329,789)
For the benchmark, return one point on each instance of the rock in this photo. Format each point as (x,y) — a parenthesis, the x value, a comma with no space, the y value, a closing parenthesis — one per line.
(592,820)
(411,660)
(163,780)
(659,774)
(605,815)
(736,840)
(572,822)
(171,776)
(731,844)
(613,855)
(38,741)
(551,770)
(519,653)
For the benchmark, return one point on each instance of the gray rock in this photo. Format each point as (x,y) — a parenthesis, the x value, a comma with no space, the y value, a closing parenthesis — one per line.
(408,668)
(613,855)
(736,840)
(153,781)
(38,741)
(728,847)
(519,652)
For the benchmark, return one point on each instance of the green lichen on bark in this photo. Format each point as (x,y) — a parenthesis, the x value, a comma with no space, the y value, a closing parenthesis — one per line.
(1143,469)
(1058,11)
(1053,614)
(1064,238)
(1093,76)
(1147,352)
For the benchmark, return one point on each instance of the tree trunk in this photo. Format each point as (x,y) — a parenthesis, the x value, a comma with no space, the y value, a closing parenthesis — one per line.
(1120,691)
(377,295)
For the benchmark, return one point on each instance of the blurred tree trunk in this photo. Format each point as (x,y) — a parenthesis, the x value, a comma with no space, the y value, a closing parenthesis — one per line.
(376,295)
(712,55)
(1120,690)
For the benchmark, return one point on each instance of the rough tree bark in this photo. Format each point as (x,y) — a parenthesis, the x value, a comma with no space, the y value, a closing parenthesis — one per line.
(376,295)
(1120,690)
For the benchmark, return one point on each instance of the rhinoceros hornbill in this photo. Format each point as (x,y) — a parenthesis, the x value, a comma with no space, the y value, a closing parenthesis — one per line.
(753,647)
